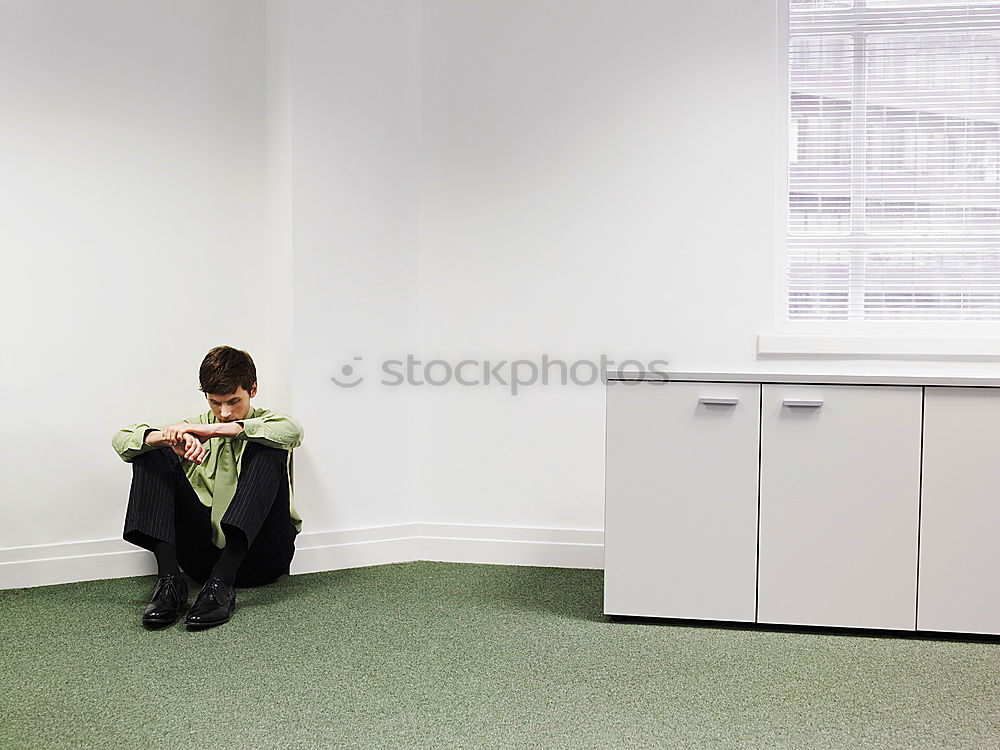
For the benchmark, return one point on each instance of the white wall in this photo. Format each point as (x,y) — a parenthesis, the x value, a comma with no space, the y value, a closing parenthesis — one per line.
(355,104)
(599,180)
(436,177)
(278,267)
(131,222)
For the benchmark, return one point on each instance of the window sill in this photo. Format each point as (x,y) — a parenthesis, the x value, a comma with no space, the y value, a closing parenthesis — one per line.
(785,345)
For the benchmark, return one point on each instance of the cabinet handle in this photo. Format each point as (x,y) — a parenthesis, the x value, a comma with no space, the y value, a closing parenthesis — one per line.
(718,401)
(810,403)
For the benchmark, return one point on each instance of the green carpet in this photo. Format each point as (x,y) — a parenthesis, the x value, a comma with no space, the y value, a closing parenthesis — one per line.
(445,655)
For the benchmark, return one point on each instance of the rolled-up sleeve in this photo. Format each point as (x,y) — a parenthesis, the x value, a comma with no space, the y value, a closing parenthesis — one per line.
(129,441)
(275,430)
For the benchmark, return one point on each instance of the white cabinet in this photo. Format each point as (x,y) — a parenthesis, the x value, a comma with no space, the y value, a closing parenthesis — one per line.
(681,500)
(852,503)
(839,505)
(960,512)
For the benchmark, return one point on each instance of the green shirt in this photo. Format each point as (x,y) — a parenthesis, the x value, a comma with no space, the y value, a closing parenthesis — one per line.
(214,480)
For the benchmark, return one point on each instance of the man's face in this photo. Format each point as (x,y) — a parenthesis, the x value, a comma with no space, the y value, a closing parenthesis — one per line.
(231,407)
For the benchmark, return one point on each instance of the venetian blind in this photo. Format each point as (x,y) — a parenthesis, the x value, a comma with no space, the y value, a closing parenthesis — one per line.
(894,160)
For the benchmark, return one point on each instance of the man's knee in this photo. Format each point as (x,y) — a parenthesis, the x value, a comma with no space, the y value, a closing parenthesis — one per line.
(261,452)
(158,458)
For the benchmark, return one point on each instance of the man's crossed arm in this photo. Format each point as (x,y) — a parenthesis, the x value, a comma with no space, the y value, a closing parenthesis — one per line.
(187,439)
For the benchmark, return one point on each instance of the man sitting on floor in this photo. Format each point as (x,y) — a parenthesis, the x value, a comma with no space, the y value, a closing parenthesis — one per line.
(213,495)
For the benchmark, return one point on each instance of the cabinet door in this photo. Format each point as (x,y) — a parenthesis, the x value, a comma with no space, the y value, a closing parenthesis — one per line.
(959,588)
(680,535)
(839,504)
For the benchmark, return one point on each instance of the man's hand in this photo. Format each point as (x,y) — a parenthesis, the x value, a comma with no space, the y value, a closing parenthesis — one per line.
(174,434)
(190,447)
(187,439)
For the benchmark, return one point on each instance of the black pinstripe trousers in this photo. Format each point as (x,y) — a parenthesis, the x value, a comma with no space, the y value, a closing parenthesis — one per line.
(163,506)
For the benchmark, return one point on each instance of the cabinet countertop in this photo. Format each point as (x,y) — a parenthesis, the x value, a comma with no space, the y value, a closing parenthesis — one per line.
(815,378)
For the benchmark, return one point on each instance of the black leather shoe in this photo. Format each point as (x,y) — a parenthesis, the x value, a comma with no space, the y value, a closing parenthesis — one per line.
(214,605)
(169,599)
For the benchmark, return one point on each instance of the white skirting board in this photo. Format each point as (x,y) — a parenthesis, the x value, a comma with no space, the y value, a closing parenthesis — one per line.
(46,564)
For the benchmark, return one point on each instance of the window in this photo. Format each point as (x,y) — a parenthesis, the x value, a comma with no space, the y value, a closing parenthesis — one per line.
(893,161)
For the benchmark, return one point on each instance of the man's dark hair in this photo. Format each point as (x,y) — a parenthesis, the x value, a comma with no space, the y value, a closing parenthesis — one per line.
(225,369)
